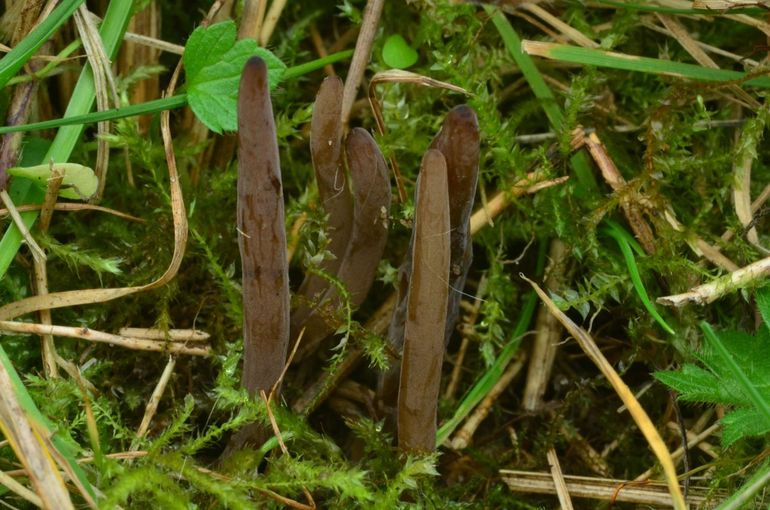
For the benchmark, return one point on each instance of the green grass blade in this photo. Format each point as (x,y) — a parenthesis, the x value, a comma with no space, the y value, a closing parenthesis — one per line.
(762,405)
(579,161)
(313,65)
(157,105)
(600,58)
(745,494)
(627,247)
(112,29)
(493,374)
(50,66)
(21,53)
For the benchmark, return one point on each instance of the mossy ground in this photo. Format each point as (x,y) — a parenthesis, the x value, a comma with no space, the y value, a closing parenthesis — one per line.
(346,459)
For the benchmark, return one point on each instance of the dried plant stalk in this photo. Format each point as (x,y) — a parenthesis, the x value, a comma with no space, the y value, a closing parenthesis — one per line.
(261,239)
(426,309)
(358,268)
(333,191)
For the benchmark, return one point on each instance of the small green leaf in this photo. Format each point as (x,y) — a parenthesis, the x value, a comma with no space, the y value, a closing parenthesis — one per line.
(213,61)
(79,182)
(397,53)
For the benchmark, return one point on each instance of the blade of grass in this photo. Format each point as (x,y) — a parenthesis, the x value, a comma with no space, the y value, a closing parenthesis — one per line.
(613,60)
(747,491)
(627,246)
(113,27)
(157,105)
(586,182)
(493,374)
(21,53)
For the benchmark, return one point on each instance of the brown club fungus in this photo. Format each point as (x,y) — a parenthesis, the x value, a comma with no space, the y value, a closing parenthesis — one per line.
(426,309)
(458,141)
(261,239)
(333,191)
(358,266)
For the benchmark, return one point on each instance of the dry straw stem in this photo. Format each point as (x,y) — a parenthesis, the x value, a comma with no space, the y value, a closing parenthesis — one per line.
(571,33)
(31,448)
(252,18)
(104,85)
(152,404)
(37,251)
(467,329)
(361,56)
(426,309)
(271,20)
(710,292)
(73,207)
(463,436)
(637,412)
(620,491)
(548,332)
(40,268)
(172,335)
(613,177)
(9,483)
(92,335)
(558,480)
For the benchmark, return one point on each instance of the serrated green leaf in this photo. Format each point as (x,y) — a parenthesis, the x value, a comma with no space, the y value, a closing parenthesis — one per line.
(397,53)
(79,181)
(213,62)
(741,423)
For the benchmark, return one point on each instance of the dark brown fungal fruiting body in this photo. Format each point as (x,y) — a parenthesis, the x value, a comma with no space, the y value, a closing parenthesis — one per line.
(426,310)
(358,266)
(333,191)
(261,236)
(458,141)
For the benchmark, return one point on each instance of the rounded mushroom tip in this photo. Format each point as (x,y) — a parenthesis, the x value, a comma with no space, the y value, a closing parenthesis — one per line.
(463,113)
(256,63)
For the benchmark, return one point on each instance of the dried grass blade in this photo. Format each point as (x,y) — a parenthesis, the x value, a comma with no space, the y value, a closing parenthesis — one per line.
(637,412)
(15,423)
(426,309)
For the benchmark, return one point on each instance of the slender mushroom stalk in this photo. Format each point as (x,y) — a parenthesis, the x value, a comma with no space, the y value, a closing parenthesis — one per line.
(333,190)
(261,239)
(358,267)
(426,310)
(458,141)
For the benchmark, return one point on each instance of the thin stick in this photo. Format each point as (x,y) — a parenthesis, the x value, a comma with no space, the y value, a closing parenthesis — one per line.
(152,404)
(710,292)
(361,56)
(50,367)
(37,252)
(172,335)
(318,42)
(558,480)
(74,207)
(271,20)
(251,19)
(93,335)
